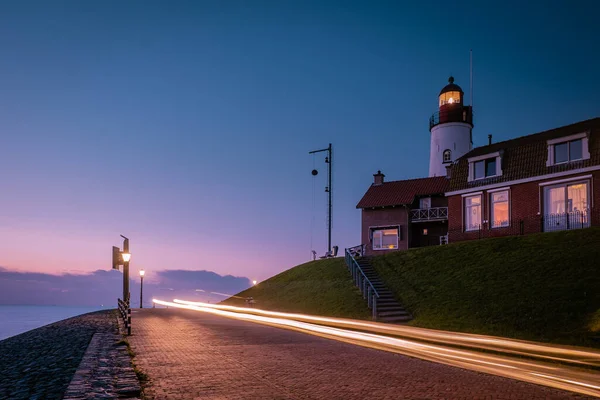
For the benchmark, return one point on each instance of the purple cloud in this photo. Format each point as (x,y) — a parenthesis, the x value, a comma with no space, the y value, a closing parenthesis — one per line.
(104,287)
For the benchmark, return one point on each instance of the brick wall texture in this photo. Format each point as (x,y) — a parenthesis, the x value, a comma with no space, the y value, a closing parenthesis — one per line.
(526,205)
(380,218)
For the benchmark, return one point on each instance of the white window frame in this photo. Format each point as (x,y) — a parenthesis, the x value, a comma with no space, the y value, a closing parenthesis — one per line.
(491,207)
(565,184)
(585,151)
(449,153)
(465,213)
(497,155)
(384,228)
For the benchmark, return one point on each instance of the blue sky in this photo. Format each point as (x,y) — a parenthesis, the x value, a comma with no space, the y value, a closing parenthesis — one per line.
(186,125)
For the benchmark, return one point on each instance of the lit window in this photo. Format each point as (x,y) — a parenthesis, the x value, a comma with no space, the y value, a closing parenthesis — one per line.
(447,156)
(567,206)
(499,209)
(473,213)
(385,239)
(485,168)
(425,231)
(449,98)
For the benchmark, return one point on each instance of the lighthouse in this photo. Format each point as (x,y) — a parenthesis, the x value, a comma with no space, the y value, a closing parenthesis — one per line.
(451,129)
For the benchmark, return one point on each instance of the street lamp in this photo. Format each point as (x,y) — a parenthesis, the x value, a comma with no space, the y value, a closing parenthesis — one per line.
(254,282)
(122,257)
(142,273)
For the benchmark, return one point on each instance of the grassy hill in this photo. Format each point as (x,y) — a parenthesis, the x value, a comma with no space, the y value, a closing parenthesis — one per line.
(542,287)
(321,287)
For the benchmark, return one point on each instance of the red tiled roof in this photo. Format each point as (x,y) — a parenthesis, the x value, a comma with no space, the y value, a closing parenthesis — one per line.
(525,157)
(402,192)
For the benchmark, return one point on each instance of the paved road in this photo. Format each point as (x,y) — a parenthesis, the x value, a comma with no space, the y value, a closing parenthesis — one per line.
(193,355)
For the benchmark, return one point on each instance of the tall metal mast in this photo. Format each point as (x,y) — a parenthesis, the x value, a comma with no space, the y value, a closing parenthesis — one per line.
(328,189)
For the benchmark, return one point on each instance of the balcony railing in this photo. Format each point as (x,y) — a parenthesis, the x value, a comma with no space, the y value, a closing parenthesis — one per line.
(566,221)
(454,114)
(429,214)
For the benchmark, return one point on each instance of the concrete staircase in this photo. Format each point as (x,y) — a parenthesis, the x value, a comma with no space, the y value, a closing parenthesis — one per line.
(388,308)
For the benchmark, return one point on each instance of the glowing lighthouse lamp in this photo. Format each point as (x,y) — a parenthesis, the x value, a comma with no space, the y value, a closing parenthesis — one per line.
(451,129)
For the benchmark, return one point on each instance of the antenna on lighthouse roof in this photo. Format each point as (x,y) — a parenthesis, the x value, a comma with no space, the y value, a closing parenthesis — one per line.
(471,77)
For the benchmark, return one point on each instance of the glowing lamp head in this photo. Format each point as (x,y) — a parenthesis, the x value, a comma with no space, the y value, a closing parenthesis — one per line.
(142,273)
(450,100)
(254,282)
(126,256)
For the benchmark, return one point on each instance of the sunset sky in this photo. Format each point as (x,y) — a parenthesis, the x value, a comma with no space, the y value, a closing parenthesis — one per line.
(186,125)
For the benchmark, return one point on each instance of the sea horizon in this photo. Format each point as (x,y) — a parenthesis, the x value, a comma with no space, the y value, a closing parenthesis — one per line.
(16,319)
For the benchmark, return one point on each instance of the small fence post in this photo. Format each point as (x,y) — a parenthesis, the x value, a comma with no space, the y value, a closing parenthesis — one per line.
(128,320)
(369,299)
(541,223)
(521,227)
(374,308)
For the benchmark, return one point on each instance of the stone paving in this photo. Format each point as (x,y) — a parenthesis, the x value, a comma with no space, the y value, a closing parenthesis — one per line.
(40,363)
(193,355)
(105,372)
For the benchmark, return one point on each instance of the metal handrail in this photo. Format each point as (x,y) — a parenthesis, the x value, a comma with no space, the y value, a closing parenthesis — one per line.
(360,278)
(125,312)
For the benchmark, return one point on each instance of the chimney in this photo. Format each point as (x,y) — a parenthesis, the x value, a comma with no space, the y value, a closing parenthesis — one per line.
(449,171)
(489,139)
(378,178)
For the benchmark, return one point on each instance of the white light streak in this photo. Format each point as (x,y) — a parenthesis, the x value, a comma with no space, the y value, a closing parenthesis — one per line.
(558,376)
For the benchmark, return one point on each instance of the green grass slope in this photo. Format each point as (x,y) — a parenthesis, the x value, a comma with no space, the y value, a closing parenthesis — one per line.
(543,287)
(322,287)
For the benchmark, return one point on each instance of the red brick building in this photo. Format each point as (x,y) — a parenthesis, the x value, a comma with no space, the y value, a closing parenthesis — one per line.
(543,182)
(403,214)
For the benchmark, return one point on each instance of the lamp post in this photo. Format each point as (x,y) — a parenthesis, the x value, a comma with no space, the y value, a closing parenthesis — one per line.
(126,257)
(142,273)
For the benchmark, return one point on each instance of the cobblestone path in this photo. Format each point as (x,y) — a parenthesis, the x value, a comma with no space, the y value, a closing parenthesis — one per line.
(39,364)
(105,372)
(193,355)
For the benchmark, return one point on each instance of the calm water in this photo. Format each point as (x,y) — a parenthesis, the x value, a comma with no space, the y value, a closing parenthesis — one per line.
(19,319)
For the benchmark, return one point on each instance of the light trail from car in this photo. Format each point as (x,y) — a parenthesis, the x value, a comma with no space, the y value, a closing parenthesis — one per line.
(538,372)
(566,354)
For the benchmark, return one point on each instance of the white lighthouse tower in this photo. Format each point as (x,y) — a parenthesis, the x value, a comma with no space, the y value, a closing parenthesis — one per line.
(451,129)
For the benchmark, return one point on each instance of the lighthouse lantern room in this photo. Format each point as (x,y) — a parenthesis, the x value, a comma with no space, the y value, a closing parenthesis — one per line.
(451,129)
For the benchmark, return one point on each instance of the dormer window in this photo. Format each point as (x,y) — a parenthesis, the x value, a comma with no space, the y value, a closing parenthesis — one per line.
(568,149)
(485,166)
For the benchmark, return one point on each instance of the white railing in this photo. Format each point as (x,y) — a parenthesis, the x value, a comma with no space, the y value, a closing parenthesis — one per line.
(429,214)
(360,278)
(566,221)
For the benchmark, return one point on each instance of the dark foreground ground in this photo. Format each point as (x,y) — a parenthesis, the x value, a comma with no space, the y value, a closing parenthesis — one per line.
(39,364)
(192,355)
